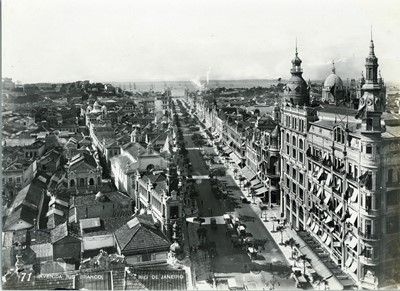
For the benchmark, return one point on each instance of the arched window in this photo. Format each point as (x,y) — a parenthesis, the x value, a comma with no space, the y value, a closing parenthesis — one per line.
(72,183)
(81,182)
(301,144)
(91,182)
(287,138)
(294,141)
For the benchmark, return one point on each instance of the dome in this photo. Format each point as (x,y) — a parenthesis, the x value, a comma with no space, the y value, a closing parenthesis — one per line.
(333,80)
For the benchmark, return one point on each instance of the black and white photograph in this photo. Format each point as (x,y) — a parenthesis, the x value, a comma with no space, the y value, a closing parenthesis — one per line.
(200,145)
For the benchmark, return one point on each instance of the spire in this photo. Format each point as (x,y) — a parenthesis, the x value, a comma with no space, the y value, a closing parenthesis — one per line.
(371,45)
(296,46)
(333,67)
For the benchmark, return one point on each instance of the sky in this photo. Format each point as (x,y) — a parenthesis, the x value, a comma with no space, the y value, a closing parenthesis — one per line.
(167,40)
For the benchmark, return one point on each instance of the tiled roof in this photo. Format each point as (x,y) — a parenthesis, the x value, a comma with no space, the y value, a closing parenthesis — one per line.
(60,232)
(24,213)
(140,235)
(81,158)
(134,149)
(90,199)
(154,178)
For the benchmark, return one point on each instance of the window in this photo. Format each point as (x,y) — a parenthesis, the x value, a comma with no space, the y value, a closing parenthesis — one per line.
(294,153)
(368,149)
(390,175)
(72,183)
(287,150)
(294,174)
(294,141)
(301,144)
(18,179)
(301,159)
(287,168)
(82,182)
(287,138)
(10,180)
(91,182)
(301,178)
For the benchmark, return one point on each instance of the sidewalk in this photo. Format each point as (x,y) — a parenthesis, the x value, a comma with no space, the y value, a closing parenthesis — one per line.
(271,224)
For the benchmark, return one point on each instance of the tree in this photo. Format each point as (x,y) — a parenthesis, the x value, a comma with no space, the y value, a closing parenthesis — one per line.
(241,179)
(217,172)
(247,185)
(305,259)
(281,228)
(235,171)
(252,193)
(292,243)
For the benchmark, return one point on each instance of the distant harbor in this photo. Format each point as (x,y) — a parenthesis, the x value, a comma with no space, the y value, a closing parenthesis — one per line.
(181,85)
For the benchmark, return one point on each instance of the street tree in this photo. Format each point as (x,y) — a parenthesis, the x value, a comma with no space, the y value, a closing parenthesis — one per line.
(241,179)
(292,243)
(217,172)
(281,228)
(235,171)
(252,192)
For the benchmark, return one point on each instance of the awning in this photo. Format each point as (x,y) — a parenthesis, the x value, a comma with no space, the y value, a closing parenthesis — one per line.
(339,207)
(353,267)
(353,217)
(324,236)
(327,198)
(329,179)
(235,158)
(228,152)
(349,261)
(248,174)
(320,172)
(316,169)
(353,243)
(308,220)
(354,196)
(328,241)
(255,182)
(261,191)
(316,228)
(338,185)
(312,188)
(328,219)
(312,226)
(320,191)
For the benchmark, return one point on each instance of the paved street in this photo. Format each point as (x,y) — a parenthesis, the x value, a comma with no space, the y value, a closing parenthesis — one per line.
(231,262)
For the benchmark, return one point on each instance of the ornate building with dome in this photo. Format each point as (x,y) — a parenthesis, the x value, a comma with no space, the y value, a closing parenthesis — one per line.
(340,178)
(296,90)
(333,91)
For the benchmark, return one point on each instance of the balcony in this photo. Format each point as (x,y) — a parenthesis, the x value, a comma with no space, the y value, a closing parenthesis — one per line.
(367,235)
(351,177)
(369,261)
